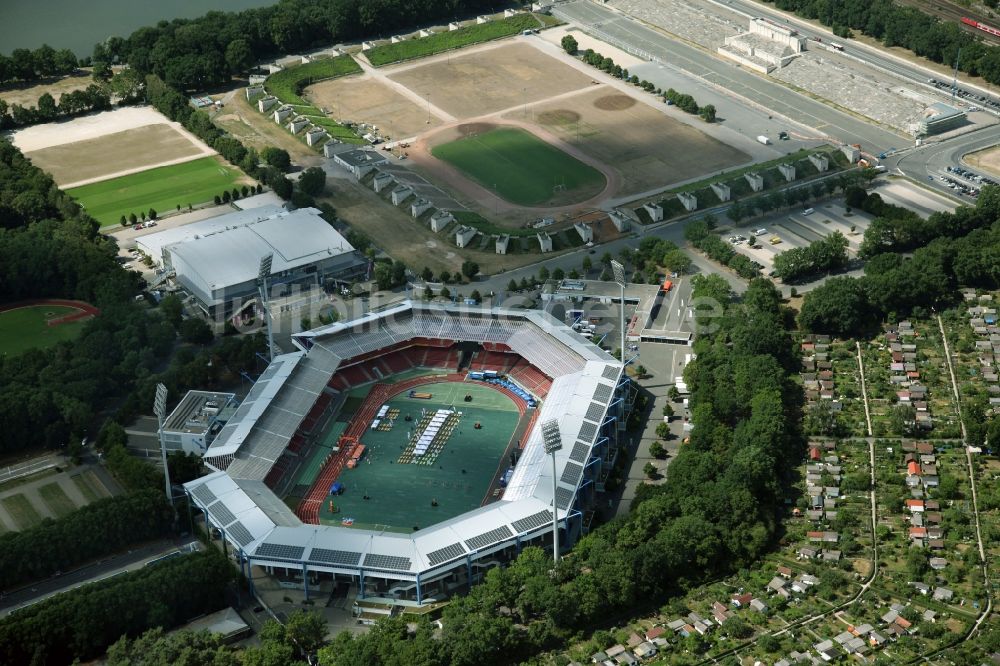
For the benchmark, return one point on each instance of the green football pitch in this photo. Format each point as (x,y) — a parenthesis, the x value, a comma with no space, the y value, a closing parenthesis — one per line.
(521,168)
(25,328)
(162,189)
(402,496)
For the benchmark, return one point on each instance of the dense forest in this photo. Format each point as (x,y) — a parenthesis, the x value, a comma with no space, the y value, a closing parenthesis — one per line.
(912,265)
(82,623)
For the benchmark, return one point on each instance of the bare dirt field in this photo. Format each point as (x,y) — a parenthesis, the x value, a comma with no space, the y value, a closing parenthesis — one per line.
(90,126)
(28,95)
(365,99)
(490,79)
(133,149)
(647,147)
(987,160)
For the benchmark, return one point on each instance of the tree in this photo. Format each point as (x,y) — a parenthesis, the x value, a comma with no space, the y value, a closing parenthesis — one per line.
(383,276)
(668,410)
(312,181)
(657,451)
(840,307)
(239,56)
(427,274)
(543,274)
(470,269)
(558,274)
(152,213)
(306,631)
(569,44)
(707,113)
(512,285)
(277,158)
(47,107)
(736,627)
(195,330)
(172,309)
(476,296)
(445,277)
(587,265)
(649,469)
(445,293)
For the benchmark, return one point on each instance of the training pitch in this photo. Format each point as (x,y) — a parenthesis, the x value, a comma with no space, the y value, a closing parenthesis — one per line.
(162,189)
(521,168)
(26,328)
(402,496)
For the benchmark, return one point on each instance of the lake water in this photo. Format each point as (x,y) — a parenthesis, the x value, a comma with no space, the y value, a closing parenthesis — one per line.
(79,24)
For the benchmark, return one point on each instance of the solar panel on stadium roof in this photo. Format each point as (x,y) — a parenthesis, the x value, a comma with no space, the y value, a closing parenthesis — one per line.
(595,411)
(489,538)
(611,372)
(205,494)
(240,533)
(580,452)
(221,512)
(377,561)
(563,497)
(279,550)
(445,554)
(571,473)
(345,557)
(588,431)
(603,393)
(532,521)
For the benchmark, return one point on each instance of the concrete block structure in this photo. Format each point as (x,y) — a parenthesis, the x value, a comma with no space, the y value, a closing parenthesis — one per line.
(765,47)
(502,242)
(401,194)
(585,231)
(316,135)
(440,220)
(544,241)
(788,171)
(298,124)
(382,181)
(283,112)
(368,45)
(722,191)
(267,103)
(425,33)
(852,153)
(419,207)
(396,39)
(464,235)
(454,25)
(507,13)
(330,148)
(821,162)
(621,221)
(483,19)
(253,91)
(688,200)
(360,162)
(196,420)
(938,118)
(755,180)
(655,211)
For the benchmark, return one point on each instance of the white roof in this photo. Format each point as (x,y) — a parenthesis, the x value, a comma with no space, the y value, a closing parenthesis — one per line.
(231,256)
(153,244)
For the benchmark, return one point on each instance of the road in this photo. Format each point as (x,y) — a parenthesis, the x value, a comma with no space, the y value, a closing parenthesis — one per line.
(613,26)
(110,566)
(929,161)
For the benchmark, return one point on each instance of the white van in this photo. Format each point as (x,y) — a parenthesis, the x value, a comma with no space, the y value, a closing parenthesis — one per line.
(808,211)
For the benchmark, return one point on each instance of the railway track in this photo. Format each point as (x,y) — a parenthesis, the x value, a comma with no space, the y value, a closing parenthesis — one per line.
(954,13)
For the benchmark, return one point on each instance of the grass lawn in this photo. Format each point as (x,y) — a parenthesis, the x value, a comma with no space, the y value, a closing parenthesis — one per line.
(161,189)
(24,328)
(451,39)
(90,486)
(21,510)
(59,502)
(520,167)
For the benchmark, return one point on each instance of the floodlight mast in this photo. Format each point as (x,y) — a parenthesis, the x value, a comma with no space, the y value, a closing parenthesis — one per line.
(552,440)
(265,272)
(619,270)
(160,409)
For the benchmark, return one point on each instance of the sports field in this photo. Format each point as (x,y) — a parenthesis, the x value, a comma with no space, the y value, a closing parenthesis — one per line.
(520,167)
(25,328)
(162,189)
(400,494)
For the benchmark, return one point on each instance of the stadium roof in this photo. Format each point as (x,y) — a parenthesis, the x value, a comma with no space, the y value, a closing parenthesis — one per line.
(153,244)
(231,255)
(583,388)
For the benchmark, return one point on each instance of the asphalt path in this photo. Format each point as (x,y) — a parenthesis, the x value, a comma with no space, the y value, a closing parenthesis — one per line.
(604,22)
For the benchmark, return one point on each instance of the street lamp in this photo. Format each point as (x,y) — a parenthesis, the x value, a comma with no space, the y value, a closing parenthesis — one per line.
(265,272)
(619,270)
(553,442)
(160,409)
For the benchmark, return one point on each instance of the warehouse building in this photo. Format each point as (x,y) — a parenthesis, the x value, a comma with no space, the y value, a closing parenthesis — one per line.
(938,118)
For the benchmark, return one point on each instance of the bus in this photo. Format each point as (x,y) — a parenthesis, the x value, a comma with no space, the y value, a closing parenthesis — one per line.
(836,47)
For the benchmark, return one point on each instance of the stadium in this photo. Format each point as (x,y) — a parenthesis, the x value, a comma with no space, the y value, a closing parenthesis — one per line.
(401,453)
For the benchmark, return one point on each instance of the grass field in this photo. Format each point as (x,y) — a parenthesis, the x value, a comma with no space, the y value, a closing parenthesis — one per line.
(520,167)
(90,486)
(401,494)
(162,189)
(22,511)
(24,328)
(59,502)
(451,39)
(287,85)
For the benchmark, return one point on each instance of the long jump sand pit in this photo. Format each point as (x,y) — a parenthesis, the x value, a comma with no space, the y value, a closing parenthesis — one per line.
(107,144)
(365,99)
(646,146)
(490,79)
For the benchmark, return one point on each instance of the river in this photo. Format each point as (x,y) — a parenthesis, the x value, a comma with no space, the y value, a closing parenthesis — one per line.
(79,24)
